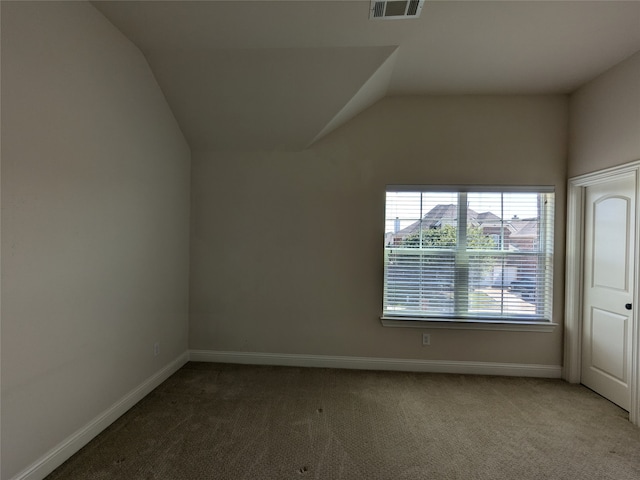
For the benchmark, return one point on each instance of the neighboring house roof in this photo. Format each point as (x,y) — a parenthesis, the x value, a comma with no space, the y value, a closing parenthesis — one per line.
(443,214)
(433,219)
(486,217)
(525,228)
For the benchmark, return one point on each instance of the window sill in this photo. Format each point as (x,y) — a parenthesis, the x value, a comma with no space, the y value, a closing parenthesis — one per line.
(504,325)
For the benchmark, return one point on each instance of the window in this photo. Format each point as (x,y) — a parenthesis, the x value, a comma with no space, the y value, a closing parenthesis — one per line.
(464,253)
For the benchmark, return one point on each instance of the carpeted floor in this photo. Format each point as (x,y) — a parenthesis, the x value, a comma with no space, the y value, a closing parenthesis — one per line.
(233,422)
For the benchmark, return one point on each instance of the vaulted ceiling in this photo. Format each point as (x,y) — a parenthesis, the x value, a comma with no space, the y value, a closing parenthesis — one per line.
(247,75)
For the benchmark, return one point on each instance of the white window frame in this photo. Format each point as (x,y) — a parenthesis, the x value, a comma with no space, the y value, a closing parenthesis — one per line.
(537,325)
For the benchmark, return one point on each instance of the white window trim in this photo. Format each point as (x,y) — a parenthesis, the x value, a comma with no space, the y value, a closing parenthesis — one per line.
(448,324)
(470,324)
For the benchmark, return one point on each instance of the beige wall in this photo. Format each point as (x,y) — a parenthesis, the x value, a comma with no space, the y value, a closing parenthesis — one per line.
(95,220)
(605,120)
(287,247)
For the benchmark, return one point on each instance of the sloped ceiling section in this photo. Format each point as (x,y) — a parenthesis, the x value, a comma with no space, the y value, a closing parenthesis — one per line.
(250,99)
(261,75)
(269,74)
(373,90)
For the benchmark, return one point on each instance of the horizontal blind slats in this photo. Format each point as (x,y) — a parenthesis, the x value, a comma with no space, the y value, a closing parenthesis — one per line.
(499,267)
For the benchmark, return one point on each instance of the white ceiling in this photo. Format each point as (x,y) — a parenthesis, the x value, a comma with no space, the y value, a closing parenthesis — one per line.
(279,74)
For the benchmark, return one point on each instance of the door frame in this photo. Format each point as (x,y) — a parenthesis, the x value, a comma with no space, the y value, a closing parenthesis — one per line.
(571,371)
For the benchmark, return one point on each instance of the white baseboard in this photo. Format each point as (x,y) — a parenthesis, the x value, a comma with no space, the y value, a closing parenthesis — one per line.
(59,454)
(372,363)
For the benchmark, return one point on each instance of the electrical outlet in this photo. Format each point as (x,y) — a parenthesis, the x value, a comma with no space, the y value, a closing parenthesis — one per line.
(426,339)
(156,349)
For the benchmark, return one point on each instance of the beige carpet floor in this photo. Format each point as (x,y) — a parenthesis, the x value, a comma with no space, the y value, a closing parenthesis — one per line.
(233,422)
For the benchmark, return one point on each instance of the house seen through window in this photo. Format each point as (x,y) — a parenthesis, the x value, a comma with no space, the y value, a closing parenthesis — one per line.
(468,254)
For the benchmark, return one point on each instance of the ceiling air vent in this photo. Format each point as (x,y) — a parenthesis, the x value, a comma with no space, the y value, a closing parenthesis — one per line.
(395,9)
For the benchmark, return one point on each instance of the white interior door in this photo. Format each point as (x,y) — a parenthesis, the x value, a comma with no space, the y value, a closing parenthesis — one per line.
(609,288)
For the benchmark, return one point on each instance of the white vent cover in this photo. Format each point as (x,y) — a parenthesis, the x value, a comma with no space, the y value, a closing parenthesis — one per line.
(395,9)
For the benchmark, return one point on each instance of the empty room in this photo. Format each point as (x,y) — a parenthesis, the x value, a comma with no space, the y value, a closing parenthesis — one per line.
(320,239)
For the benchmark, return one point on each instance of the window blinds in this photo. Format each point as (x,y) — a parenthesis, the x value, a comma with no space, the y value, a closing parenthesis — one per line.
(461,253)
